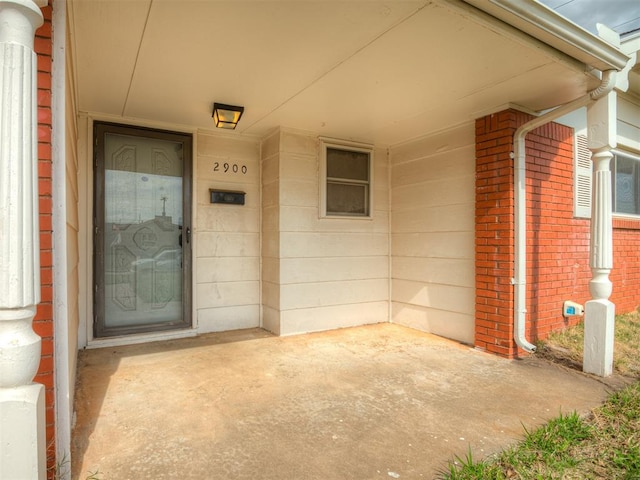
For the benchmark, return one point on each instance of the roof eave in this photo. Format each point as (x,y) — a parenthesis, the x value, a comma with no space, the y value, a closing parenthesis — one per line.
(546,25)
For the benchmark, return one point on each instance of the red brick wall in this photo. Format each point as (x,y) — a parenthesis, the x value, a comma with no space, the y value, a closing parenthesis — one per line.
(43,322)
(494,233)
(626,264)
(557,243)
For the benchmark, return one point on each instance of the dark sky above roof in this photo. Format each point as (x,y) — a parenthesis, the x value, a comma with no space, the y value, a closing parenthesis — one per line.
(623,16)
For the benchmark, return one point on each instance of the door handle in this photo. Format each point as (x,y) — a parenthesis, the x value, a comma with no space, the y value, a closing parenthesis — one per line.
(188,235)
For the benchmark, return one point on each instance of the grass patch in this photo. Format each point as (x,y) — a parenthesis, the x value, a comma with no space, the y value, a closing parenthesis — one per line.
(606,445)
(567,346)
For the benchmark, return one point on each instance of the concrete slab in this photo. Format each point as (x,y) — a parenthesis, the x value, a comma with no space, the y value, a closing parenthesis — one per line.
(372,402)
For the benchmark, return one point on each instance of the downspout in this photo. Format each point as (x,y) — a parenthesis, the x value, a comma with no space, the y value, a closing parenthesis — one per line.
(519,185)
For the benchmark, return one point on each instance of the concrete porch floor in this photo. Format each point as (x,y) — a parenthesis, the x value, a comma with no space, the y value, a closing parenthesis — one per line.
(372,402)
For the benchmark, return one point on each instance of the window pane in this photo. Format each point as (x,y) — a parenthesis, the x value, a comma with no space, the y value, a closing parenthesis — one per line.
(347,164)
(625,188)
(346,199)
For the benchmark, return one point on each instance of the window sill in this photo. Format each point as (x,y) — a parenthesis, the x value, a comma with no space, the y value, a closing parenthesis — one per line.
(345,217)
(626,223)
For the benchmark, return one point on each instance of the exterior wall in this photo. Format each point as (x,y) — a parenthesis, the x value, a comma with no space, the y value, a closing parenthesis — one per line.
(626,235)
(72,231)
(43,321)
(227,255)
(557,243)
(625,274)
(65,224)
(319,273)
(225,238)
(432,234)
(494,233)
(626,264)
(270,166)
(629,122)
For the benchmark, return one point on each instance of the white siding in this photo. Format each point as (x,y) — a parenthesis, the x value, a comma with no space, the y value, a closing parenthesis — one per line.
(227,255)
(331,272)
(270,161)
(72,238)
(433,224)
(275,263)
(629,123)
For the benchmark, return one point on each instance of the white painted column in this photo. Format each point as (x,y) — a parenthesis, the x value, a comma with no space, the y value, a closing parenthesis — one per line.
(600,312)
(22,402)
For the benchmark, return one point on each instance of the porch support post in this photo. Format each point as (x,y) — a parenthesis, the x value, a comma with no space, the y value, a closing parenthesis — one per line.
(600,312)
(22,402)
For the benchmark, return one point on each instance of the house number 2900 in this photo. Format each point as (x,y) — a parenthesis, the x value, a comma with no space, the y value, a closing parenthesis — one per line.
(229,167)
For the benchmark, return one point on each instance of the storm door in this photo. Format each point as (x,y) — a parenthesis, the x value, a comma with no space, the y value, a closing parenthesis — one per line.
(142,248)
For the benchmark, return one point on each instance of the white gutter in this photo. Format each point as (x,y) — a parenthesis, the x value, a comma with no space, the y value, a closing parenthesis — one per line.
(551,28)
(519,185)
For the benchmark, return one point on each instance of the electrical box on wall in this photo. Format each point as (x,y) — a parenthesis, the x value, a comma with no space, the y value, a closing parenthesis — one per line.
(572,309)
(228,197)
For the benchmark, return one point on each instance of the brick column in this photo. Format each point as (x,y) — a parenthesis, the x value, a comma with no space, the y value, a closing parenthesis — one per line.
(557,241)
(43,321)
(495,233)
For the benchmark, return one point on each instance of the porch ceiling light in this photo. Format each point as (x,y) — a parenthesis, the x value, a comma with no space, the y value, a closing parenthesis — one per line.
(226,116)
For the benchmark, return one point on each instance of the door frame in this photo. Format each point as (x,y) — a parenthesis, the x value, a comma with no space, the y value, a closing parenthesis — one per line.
(99,332)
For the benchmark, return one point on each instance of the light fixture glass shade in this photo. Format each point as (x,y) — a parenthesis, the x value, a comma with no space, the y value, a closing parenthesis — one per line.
(226,116)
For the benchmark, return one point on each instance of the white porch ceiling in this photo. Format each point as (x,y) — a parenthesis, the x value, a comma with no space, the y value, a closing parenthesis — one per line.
(377,71)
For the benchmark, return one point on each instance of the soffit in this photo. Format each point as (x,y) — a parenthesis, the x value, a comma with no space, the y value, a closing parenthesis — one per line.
(382,72)
(555,30)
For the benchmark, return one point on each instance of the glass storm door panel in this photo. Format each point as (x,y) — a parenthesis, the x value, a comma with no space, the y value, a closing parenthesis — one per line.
(142,231)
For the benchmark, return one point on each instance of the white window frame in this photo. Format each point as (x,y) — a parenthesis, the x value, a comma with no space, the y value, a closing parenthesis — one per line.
(635,156)
(326,144)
